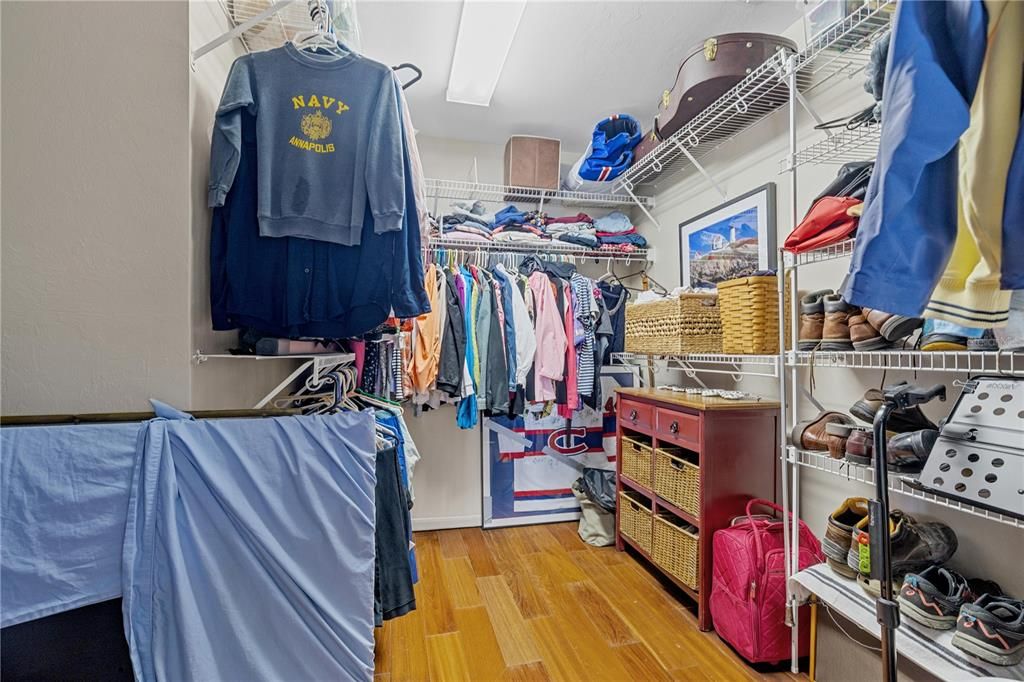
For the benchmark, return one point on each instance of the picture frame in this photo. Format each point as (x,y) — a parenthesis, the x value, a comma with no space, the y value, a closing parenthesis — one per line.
(734,239)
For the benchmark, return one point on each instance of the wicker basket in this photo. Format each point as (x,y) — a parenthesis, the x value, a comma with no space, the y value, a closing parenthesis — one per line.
(636,461)
(689,323)
(676,549)
(635,519)
(676,479)
(750,315)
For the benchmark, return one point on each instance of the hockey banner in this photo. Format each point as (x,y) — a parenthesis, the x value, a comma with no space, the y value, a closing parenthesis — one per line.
(532,461)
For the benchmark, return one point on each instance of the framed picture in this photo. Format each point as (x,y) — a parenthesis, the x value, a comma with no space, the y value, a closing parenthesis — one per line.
(733,240)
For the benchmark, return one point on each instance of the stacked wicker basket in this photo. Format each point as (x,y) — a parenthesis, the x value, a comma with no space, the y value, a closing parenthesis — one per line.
(689,323)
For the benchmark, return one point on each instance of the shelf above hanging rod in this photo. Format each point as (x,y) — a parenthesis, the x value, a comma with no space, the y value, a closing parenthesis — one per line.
(554,249)
(456,189)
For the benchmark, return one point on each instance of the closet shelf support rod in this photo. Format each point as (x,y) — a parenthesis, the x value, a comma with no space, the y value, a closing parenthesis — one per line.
(700,168)
(629,190)
(237,31)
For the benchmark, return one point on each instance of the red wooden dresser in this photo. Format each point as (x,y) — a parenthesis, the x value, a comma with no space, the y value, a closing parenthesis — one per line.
(714,455)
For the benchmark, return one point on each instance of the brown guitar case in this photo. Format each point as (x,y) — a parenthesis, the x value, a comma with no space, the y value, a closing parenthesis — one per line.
(647,143)
(709,70)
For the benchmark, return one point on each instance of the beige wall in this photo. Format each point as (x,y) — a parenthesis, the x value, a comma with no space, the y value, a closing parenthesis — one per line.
(95,269)
(218,383)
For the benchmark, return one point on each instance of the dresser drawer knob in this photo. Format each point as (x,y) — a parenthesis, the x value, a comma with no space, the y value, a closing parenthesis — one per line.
(633,415)
(674,427)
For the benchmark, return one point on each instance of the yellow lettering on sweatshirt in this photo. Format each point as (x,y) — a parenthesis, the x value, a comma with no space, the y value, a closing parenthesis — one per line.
(298,102)
(308,146)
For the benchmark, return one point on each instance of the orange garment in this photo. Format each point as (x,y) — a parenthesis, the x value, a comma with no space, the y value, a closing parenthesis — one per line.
(427,336)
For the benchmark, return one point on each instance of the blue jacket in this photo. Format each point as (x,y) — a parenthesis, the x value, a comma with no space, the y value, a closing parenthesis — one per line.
(910,216)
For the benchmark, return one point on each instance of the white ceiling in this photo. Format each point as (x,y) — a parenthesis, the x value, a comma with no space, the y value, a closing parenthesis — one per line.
(570,65)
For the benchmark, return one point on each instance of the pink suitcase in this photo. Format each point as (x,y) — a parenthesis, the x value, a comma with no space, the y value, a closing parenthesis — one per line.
(748,588)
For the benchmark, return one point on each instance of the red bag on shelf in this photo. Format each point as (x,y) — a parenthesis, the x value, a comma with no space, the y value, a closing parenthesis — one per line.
(748,585)
(828,222)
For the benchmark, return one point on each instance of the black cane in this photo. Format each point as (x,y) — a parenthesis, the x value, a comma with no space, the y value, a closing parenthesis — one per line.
(886,609)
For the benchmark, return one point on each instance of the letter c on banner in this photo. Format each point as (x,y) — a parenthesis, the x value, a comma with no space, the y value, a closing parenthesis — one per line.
(571,442)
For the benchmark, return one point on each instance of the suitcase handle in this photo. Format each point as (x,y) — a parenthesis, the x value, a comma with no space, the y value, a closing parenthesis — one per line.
(758,502)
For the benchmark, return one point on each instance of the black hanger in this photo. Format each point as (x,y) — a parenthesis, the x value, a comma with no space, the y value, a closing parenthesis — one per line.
(413,67)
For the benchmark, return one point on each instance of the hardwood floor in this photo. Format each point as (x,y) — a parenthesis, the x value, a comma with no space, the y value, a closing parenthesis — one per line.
(537,603)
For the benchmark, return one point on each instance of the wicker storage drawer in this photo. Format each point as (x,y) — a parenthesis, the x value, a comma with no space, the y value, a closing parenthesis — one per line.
(676,548)
(750,315)
(690,323)
(635,519)
(637,460)
(676,479)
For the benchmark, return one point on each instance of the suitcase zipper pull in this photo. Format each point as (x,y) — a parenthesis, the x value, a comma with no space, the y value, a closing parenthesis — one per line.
(753,589)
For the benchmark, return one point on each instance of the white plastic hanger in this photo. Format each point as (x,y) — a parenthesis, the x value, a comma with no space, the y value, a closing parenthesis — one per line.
(321,41)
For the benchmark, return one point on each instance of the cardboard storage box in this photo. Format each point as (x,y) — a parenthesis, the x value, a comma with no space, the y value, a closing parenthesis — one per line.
(532,162)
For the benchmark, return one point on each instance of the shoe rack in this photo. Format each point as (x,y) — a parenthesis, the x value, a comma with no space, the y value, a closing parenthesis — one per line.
(837,54)
(854,34)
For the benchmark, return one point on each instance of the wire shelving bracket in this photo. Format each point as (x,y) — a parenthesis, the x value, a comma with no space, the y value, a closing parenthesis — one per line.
(319,366)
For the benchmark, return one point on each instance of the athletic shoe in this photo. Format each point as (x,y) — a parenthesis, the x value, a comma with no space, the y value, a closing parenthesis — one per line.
(838,532)
(992,628)
(913,546)
(934,596)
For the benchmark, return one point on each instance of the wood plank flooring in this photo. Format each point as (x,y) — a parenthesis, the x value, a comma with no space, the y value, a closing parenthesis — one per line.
(537,603)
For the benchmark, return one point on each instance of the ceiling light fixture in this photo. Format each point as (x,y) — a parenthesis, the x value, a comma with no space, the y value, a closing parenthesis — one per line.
(486,31)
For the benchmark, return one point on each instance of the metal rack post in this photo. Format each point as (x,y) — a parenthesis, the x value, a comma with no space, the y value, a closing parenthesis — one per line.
(794,379)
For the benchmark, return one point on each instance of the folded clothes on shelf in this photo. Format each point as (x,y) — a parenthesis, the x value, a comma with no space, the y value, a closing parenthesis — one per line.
(578,238)
(616,221)
(633,238)
(578,218)
(571,228)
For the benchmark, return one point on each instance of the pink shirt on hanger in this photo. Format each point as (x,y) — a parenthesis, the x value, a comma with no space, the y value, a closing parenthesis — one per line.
(549,359)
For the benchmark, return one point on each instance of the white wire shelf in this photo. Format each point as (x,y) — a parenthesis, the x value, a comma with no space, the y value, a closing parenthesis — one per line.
(844,48)
(844,146)
(274,22)
(996,362)
(762,91)
(768,365)
(554,247)
(841,249)
(821,461)
(456,189)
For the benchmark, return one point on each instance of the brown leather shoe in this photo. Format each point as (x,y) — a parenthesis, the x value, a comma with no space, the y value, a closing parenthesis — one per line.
(812,319)
(864,336)
(836,434)
(836,333)
(860,446)
(810,435)
(892,327)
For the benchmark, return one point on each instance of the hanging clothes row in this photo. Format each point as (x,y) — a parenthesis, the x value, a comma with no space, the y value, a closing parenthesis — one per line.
(502,339)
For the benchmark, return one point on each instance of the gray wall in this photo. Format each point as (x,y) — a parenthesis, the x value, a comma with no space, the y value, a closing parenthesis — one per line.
(95,216)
